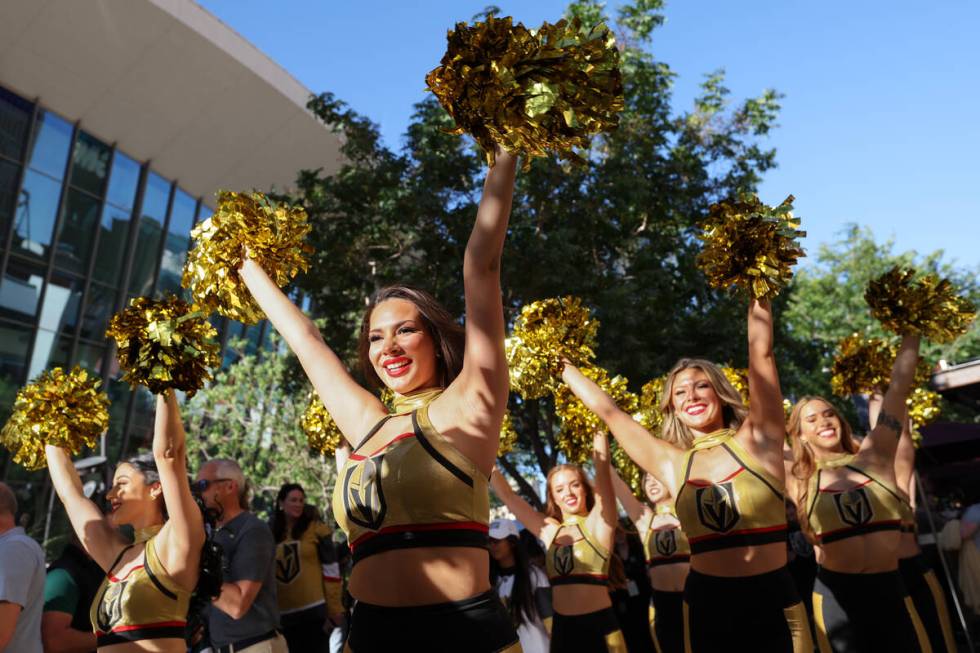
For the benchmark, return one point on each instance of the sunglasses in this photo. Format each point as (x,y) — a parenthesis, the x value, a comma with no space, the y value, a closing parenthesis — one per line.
(203,484)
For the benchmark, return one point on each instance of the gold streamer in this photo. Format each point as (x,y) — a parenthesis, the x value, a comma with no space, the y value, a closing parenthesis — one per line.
(927,306)
(62,409)
(321,431)
(739,378)
(165,343)
(508,436)
(864,365)
(750,245)
(530,90)
(649,414)
(578,423)
(271,233)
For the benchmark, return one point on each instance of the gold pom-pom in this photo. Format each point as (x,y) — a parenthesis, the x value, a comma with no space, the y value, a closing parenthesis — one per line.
(530,90)
(924,406)
(750,245)
(927,306)
(508,435)
(861,365)
(62,409)
(271,233)
(321,431)
(739,378)
(545,332)
(578,423)
(649,414)
(164,343)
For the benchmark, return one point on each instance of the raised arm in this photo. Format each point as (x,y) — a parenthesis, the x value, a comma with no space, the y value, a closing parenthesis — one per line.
(100,539)
(651,453)
(604,514)
(533,520)
(635,509)
(478,396)
(882,443)
(354,409)
(766,417)
(180,541)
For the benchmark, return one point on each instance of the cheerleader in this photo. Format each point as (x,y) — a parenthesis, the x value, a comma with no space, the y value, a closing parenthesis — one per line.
(413,496)
(577,527)
(723,464)
(848,503)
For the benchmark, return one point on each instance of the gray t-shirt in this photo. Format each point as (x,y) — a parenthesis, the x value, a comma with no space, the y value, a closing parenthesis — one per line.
(22,582)
(249,553)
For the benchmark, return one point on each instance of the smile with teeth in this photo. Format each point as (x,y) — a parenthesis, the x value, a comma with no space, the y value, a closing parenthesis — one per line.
(827,433)
(696,409)
(396,366)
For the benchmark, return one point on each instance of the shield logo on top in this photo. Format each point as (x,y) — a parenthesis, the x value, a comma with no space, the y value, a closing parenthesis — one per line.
(564,559)
(287,565)
(665,542)
(364,499)
(716,507)
(854,507)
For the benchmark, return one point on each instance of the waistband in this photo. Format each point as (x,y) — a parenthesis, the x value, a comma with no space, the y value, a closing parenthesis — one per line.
(719,541)
(774,587)
(603,620)
(579,579)
(464,534)
(878,584)
(245,643)
(916,565)
(431,609)
(669,560)
(139,632)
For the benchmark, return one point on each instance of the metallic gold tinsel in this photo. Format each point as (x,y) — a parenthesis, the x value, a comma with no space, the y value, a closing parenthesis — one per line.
(864,365)
(750,245)
(649,414)
(321,431)
(165,343)
(508,435)
(578,423)
(924,406)
(739,378)
(271,233)
(530,90)
(546,331)
(62,409)
(927,306)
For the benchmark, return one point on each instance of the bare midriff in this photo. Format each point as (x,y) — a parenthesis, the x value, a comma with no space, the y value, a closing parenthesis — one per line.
(741,561)
(870,553)
(168,645)
(579,599)
(908,546)
(669,578)
(422,576)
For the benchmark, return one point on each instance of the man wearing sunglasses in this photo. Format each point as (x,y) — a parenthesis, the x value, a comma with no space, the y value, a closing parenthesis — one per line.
(245,617)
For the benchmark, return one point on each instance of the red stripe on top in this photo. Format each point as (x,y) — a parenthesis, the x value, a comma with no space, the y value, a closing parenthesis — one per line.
(745,531)
(856,487)
(161,624)
(707,483)
(403,528)
(113,579)
(357,456)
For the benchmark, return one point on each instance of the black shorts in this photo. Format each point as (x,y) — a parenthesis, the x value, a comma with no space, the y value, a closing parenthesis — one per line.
(479,624)
(761,613)
(929,600)
(668,621)
(857,613)
(592,632)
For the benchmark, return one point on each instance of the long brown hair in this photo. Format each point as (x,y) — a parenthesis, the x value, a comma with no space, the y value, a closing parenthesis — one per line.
(551,508)
(733,411)
(804,461)
(446,333)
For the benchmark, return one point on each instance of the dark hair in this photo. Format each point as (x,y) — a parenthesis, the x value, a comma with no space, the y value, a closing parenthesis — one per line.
(279,516)
(521,604)
(446,333)
(146,465)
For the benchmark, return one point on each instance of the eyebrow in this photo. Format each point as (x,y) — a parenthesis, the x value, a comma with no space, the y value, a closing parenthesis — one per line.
(397,324)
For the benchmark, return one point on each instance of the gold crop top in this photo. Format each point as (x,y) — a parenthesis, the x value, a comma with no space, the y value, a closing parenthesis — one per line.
(307,572)
(746,508)
(146,603)
(665,546)
(417,491)
(584,561)
(868,507)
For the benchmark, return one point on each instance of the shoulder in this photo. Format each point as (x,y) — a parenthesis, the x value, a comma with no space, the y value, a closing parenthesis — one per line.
(21,547)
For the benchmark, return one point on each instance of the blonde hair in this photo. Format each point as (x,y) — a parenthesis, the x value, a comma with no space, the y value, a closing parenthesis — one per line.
(804,460)
(734,411)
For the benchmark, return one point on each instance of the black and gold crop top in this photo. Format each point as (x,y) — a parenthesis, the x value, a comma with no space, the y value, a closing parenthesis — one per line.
(583,561)
(665,546)
(868,507)
(146,603)
(417,491)
(746,508)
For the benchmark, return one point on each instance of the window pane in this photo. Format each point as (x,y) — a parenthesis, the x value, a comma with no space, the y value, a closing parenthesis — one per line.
(112,245)
(15,117)
(98,310)
(150,233)
(141,421)
(14,341)
(119,393)
(35,215)
(177,243)
(76,231)
(90,164)
(20,290)
(49,351)
(123,181)
(52,136)
(89,356)
(62,299)
(8,192)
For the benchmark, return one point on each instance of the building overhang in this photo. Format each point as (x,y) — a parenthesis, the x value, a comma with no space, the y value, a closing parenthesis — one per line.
(168,83)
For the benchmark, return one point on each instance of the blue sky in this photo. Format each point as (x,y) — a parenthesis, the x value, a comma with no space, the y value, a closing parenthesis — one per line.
(880,123)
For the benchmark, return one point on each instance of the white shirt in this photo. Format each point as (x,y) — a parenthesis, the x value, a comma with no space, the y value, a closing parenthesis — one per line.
(533,635)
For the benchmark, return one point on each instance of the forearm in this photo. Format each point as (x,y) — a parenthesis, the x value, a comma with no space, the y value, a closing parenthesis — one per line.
(903,372)
(760,328)
(603,476)
(68,640)
(232,601)
(289,321)
(486,241)
(169,438)
(634,509)
(524,512)
(64,477)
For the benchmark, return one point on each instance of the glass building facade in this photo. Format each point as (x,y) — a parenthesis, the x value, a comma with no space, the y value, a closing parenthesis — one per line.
(84,228)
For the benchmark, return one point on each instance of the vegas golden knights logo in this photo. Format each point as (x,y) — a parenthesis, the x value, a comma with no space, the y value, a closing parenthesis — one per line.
(564,559)
(665,542)
(287,565)
(110,606)
(716,507)
(854,507)
(363,499)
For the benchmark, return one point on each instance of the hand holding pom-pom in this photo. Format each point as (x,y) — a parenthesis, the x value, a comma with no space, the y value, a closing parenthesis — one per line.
(750,245)
(61,409)
(321,431)
(927,306)
(245,224)
(164,344)
(578,423)
(864,365)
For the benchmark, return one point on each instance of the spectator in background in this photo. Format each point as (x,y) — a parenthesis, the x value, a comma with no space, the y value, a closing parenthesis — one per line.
(21,582)
(307,573)
(631,595)
(522,587)
(245,617)
(969,575)
(73,579)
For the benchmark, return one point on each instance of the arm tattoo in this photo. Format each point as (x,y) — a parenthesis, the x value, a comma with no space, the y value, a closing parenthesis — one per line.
(890,422)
